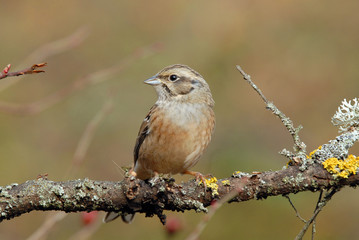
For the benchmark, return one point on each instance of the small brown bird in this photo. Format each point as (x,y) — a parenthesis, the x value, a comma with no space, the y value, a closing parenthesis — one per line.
(178,128)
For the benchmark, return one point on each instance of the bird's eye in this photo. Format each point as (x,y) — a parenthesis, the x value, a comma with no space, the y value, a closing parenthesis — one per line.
(173,77)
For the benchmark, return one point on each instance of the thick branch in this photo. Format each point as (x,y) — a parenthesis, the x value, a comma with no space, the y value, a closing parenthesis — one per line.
(134,195)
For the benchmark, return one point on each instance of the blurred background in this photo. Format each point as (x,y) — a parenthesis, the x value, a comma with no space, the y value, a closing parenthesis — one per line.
(80,118)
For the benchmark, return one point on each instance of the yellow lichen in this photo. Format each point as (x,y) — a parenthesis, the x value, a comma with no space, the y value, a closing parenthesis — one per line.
(212,184)
(236,172)
(311,154)
(226,183)
(289,162)
(342,168)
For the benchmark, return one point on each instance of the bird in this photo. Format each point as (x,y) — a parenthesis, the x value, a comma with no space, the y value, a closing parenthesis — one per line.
(177,129)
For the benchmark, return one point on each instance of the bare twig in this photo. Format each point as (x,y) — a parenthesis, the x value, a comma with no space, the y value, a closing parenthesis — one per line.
(50,49)
(296,211)
(87,231)
(30,70)
(320,205)
(316,207)
(59,45)
(48,224)
(299,146)
(81,83)
(314,228)
(87,136)
(302,219)
(247,77)
(212,210)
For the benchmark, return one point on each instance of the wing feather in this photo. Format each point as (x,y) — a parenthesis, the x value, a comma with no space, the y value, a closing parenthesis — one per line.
(143,133)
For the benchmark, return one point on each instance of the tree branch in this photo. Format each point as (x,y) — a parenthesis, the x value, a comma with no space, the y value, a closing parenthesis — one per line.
(79,84)
(329,167)
(33,69)
(134,195)
(320,205)
(299,146)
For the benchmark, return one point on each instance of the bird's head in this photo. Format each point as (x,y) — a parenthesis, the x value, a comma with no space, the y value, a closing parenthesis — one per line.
(182,84)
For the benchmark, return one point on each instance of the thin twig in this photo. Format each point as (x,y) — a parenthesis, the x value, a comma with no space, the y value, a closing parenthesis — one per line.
(50,49)
(299,146)
(313,228)
(120,170)
(316,207)
(296,211)
(319,207)
(88,80)
(48,224)
(30,70)
(247,77)
(61,45)
(88,134)
(87,231)
(212,210)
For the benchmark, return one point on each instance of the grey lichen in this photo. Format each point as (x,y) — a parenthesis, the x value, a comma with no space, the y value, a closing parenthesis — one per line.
(191,204)
(4,193)
(300,178)
(288,180)
(286,153)
(306,162)
(88,184)
(347,115)
(337,148)
(161,189)
(294,180)
(58,190)
(314,184)
(247,191)
(183,191)
(198,205)
(239,174)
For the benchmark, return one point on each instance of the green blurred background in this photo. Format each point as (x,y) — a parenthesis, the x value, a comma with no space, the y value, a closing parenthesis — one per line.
(303,55)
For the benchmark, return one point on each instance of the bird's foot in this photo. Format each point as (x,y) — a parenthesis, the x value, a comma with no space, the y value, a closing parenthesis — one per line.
(200,178)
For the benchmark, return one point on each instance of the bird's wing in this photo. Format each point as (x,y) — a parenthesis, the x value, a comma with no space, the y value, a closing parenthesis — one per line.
(143,133)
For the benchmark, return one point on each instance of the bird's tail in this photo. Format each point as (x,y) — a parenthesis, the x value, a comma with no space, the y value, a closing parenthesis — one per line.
(126,217)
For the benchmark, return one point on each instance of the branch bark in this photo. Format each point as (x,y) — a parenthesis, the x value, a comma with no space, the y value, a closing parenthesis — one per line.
(134,195)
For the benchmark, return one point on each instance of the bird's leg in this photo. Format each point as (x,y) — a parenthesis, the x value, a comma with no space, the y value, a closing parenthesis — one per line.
(198,176)
(133,173)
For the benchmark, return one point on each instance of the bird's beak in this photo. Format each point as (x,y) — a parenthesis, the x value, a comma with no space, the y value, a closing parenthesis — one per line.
(153,81)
